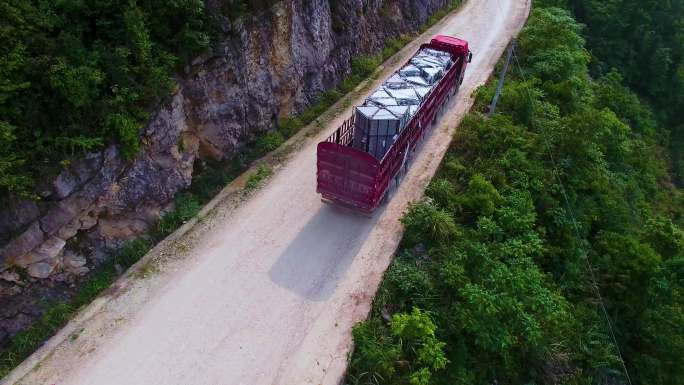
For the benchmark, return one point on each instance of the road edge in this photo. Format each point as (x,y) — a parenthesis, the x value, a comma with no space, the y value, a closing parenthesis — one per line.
(234,192)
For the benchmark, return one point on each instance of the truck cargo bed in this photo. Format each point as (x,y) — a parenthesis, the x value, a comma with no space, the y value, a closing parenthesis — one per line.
(356,164)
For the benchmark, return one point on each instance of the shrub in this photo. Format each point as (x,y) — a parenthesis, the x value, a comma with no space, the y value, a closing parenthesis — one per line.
(363,66)
(405,280)
(481,197)
(71,85)
(255,180)
(185,207)
(443,193)
(269,142)
(424,221)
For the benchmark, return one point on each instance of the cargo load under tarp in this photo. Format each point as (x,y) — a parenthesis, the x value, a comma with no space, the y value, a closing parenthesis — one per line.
(385,113)
(357,163)
(379,127)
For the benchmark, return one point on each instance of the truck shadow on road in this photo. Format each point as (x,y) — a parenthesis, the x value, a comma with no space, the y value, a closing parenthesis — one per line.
(317,259)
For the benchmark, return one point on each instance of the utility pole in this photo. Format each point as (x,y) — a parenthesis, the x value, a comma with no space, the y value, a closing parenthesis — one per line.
(492,106)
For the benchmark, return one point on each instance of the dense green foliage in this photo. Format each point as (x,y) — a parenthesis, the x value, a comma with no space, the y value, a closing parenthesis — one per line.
(209,179)
(76,75)
(644,40)
(234,9)
(566,185)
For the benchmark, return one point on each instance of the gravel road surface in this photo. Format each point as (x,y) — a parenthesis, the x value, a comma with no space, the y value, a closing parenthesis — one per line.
(265,293)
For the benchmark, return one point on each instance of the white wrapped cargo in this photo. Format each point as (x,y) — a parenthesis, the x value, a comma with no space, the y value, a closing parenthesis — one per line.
(378,127)
(417,80)
(409,70)
(404,96)
(389,108)
(431,74)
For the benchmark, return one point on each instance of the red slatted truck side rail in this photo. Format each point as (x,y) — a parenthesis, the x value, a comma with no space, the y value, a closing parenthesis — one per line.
(353,178)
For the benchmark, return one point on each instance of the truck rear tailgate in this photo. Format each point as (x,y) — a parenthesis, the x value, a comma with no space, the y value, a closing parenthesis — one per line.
(347,176)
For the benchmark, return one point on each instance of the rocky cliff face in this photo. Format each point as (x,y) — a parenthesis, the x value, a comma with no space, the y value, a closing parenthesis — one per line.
(266,67)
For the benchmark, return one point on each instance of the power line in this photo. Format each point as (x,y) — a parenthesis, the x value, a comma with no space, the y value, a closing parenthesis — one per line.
(592,277)
(573,219)
(502,77)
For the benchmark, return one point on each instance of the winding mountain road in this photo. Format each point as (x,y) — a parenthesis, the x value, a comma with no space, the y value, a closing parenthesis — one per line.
(266,292)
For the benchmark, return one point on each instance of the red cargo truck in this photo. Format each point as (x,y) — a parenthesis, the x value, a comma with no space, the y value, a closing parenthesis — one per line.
(356,164)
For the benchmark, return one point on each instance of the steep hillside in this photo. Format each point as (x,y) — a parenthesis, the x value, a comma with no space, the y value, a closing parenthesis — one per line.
(548,249)
(267,63)
(644,42)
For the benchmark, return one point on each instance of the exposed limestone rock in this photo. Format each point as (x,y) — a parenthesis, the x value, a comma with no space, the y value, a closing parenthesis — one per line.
(82,270)
(19,246)
(8,290)
(88,221)
(122,229)
(16,215)
(75,176)
(109,166)
(74,263)
(47,251)
(52,247)
(11,276)
(70,229)
(40,269)
(263,69)
(19,322)
(73,260)
(29,258)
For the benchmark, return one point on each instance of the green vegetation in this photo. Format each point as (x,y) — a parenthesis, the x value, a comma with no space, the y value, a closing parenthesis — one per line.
(210,177)
(255,180)
(644,41)
(437,16)
(186,205)
(75,76)
(494,273)
(235,9)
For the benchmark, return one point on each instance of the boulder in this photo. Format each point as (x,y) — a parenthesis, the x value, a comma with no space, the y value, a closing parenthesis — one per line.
(69,230)
(88,221)
(29,258)
(73,260)
(40,270)
(27,241)
(65,184)
(80,271)
(47,251)
(15,215)
(10,276)
(52,247)
(121,228)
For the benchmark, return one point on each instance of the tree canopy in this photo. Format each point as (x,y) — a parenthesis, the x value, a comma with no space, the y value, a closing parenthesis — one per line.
(644,41)
(75,76)
(563,194)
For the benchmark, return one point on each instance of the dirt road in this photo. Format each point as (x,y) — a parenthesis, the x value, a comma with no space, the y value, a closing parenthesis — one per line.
(266,293)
